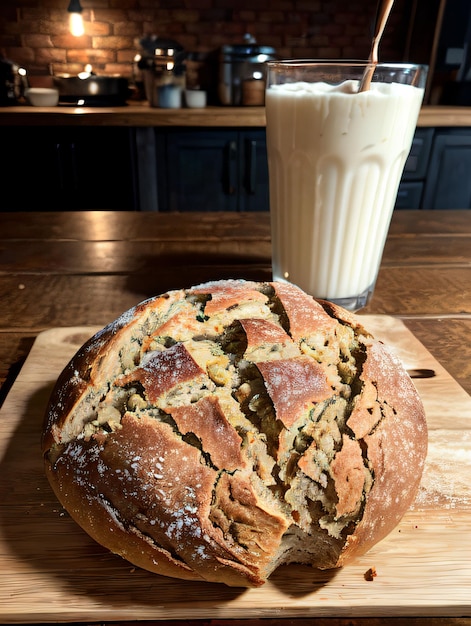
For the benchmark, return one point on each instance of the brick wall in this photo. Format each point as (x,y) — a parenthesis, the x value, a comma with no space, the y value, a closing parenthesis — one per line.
(34,33)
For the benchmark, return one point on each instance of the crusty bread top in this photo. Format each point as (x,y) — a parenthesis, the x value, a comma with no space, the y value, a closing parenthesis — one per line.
(216,432)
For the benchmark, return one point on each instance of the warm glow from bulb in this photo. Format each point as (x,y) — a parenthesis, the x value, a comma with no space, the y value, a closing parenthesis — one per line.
(76,24)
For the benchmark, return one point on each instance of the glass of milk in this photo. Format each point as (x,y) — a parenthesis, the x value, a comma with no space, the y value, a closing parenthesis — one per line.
(336,157)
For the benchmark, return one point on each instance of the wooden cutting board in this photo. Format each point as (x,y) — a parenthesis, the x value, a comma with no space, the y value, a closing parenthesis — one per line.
(52,571)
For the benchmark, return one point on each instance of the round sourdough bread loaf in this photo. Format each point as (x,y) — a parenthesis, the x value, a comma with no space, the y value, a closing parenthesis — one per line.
(217,432)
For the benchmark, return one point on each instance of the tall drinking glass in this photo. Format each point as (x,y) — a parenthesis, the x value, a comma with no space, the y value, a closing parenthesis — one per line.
(336,156)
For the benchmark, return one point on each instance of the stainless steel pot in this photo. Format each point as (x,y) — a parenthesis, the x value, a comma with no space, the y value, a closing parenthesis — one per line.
(239,64)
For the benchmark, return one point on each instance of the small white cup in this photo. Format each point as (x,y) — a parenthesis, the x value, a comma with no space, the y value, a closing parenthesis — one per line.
(195,98)
(42,96)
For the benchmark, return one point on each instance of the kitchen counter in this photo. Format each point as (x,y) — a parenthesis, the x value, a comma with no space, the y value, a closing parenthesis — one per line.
(141,114)
(134,114)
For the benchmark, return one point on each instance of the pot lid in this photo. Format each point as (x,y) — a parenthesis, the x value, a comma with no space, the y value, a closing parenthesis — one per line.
(244,51)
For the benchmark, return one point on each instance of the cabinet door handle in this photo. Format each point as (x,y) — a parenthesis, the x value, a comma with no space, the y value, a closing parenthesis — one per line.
(231,168)
(251,166)
(60,166)
(73,167)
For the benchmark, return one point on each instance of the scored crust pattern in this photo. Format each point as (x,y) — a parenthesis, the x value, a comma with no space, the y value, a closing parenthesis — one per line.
(217,432)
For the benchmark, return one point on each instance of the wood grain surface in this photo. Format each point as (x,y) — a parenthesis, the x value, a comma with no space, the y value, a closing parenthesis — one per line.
(63,269)
(141,114)
(52,571)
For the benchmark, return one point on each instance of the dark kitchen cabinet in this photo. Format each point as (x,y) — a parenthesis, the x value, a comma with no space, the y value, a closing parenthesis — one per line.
(204,169)
(412,184)
(68,169)
(448,184)
(159,168)
(212,170)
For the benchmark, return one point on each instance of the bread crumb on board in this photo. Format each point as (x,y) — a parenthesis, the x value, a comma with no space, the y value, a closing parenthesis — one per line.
(370,574)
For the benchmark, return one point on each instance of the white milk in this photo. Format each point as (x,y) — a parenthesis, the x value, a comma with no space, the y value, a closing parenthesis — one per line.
(335,160)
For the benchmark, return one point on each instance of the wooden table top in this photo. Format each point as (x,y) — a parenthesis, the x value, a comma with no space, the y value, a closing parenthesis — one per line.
(66,269)
(85,268)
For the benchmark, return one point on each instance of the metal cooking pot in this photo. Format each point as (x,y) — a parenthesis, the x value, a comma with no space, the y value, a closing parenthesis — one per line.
(240,63)
(92,90)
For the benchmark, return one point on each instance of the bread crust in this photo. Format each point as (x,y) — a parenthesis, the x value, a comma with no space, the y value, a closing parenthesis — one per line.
(217,432)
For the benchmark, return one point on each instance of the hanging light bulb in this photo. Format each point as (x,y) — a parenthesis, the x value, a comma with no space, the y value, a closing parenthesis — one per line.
(75,18)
